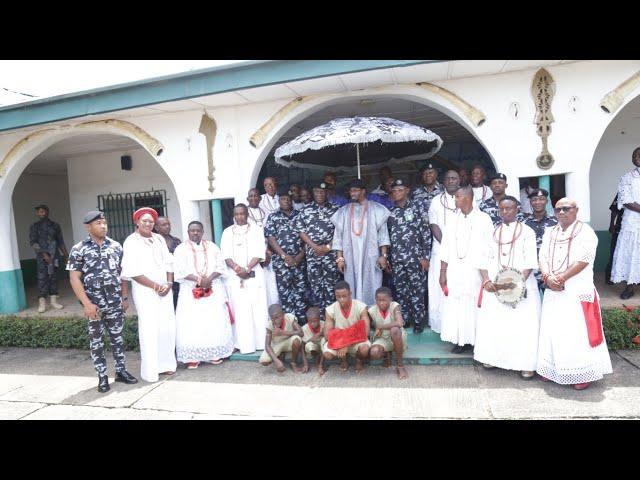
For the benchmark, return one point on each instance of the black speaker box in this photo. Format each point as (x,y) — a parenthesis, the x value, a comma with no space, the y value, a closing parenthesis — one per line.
(125,162)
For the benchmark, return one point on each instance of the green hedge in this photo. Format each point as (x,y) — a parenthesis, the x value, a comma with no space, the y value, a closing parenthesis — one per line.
(62,332)
(620,327)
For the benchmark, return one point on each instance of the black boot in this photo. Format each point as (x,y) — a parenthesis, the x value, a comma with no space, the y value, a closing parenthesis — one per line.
(103,384)
(417,329)
(125,377)
(628,293)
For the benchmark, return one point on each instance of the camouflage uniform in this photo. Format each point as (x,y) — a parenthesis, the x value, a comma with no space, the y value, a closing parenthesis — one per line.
(45,236)
(421,193)
(101,268)
(291,281)
(539,227)
(322,272)
(410,237)
(490,207)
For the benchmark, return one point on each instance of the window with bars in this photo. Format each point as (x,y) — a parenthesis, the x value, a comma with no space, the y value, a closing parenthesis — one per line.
(118,208)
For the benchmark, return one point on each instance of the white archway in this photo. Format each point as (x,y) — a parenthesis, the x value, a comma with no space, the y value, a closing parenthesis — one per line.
(407,92)
(13,165)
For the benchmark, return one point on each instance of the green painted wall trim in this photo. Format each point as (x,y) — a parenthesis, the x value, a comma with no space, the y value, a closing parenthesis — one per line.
(603,251)
(183,86)
(12,297)
(216,211)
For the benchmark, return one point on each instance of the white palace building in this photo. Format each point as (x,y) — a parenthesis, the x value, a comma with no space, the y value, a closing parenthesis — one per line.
(192,144)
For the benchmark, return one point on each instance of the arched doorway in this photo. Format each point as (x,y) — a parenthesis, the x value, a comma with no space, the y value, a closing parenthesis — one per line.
(611,160)
(78,172)
(461,149)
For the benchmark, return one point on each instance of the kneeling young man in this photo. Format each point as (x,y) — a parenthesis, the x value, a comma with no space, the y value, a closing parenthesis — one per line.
(313,339)
(341,316)
(390,336)
(283,336)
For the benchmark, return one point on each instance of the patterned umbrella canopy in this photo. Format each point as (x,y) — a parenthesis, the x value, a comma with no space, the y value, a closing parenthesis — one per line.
(367,142)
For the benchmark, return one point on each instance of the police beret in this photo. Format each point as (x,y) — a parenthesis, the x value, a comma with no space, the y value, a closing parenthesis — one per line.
(539,192)
(357,183)
(498,176)
(428,166)
(321,185)
(398,183)
(42,205)
(92,215)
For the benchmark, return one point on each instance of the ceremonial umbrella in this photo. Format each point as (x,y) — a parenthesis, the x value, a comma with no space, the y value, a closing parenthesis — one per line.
(367,142)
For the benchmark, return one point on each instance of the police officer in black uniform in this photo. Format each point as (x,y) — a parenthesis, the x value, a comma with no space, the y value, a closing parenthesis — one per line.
(429,187)
(288,258)
(498,185)
(313,223)
(410,237)
(614,229)
(539,221)
(94,271)
(45,237)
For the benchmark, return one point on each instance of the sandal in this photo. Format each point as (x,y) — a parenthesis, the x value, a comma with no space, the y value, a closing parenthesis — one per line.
(191,366)
(216,361)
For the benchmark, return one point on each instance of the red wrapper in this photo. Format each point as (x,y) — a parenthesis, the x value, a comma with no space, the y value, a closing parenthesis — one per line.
(593,319)
(200,292)
(340,338)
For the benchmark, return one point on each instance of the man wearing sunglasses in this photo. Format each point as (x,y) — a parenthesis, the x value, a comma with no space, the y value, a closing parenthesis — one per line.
(572,349)
(626,259)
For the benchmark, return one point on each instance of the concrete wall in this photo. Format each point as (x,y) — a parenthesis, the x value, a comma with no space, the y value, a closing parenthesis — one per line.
(612,160)
(32,190)
(93,175)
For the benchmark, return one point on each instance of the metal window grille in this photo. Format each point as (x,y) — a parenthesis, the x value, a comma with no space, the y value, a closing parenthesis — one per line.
(118,208)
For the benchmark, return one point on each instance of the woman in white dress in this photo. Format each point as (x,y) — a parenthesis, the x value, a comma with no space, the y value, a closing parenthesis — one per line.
(147,262)
(243,250)
(203,332)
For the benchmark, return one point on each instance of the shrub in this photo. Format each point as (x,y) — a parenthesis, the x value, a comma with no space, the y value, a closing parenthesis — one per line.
(58,332)
(621,326)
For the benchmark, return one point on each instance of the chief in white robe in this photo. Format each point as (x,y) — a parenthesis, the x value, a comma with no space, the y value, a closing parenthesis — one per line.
(248,297)
(565,355)
(442,209)
(203,330)
(463,240)
(361,252)
(156,318)
(507,337)
(626,259)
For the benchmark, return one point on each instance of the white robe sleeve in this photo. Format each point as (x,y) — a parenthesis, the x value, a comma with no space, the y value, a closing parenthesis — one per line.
(217,259)
(166,254)
(256,244)
(584,246)
(383,231)
(544,247)
(625,191)
(433,214)
(336,219)
(444,245)
(132,260)
(225,244)
(529,248)
(181,263)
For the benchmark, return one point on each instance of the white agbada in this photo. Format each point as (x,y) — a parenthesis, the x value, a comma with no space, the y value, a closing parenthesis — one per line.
(156,317)
(247,297)
(442,208)
(268,205)
(507,337)
(564,353)
(626,258)
(464,239)
(481,194)
(203,327)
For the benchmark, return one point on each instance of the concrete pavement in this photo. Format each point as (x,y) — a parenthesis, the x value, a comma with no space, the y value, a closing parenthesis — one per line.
(61,384)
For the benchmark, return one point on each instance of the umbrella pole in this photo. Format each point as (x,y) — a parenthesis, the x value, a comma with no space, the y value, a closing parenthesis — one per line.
(358,157)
